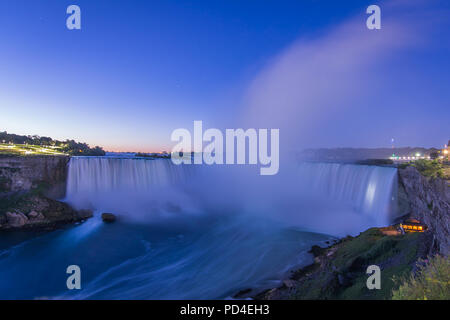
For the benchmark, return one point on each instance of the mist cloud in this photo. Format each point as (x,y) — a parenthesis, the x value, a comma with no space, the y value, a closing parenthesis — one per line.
(322,80)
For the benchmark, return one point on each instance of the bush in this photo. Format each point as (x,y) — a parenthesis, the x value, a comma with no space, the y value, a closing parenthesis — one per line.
(431,282)
(429,168)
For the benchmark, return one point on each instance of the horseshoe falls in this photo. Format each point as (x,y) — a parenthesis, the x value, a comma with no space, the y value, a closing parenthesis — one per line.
(192,232)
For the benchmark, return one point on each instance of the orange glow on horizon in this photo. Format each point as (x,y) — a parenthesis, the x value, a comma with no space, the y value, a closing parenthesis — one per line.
(142,149)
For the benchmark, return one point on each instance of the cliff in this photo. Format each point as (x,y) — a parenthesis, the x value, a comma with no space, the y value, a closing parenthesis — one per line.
(339,271)
(21,174)
(29,187)
(429,202)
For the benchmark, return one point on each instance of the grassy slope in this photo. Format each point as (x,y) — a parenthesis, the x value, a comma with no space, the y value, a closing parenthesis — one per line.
(21,150)
(431,282)
(340,271)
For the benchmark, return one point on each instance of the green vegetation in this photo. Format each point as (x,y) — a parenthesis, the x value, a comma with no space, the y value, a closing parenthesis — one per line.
(81,149)
(22,201)
(431,282)
(23,150)
(428,168)
(340,272)
(446,171)
(13,144)
(12,201)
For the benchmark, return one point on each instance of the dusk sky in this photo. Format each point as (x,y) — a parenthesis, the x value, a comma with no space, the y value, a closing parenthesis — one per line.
(137,70)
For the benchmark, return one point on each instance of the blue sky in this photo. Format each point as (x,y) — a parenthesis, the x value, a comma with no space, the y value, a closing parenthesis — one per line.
(140,69)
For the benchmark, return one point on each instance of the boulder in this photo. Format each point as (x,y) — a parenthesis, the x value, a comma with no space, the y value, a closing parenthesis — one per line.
(108,217)
(36,216)
(33,214)
(16,219)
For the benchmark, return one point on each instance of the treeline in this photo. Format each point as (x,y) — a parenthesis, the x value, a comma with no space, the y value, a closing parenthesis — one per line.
(163,155)
(362,153)
(81,149)
(69,146)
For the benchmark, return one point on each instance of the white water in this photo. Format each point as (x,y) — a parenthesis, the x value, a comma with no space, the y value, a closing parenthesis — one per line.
(186,232)
(368,190)
(351,197)
(137,188)
(94,175)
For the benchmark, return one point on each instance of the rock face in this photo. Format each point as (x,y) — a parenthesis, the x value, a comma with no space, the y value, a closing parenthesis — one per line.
(16,219)
(28,189)
(19,174)
(108,217)
(340,271)
(429,201)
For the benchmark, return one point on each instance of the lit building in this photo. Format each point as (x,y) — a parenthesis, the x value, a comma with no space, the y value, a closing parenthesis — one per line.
(445,151)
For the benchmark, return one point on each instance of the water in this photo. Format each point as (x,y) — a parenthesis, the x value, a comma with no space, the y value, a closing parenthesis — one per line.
(176,240)
(347,198)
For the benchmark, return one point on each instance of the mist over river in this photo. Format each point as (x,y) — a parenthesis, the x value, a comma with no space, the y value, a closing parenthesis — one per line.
(191,232)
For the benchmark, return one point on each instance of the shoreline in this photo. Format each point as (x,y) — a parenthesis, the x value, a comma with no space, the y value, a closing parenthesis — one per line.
(251,293)
(339,270)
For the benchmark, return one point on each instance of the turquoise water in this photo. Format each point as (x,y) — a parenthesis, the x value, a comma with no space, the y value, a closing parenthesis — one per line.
(207,257)
(191,232)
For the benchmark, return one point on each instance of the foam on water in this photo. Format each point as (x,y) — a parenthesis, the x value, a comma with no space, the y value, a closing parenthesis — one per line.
(186,232)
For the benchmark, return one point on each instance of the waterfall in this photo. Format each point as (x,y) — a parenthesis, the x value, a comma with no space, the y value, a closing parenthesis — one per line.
(349,197)
(210,253)
(95,174)
(370,190)
(123,184)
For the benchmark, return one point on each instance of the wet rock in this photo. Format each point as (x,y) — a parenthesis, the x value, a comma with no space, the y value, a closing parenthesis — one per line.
(42,213)
(33,214)
(108,217)
(36,216)
(85,214)
(317,251)
(16,219)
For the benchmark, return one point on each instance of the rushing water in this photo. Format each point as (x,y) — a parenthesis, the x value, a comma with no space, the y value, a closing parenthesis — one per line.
(186,232)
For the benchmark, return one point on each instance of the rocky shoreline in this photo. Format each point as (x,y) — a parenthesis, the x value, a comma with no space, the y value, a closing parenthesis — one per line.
(339,271)
(29,189)
(31,212)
